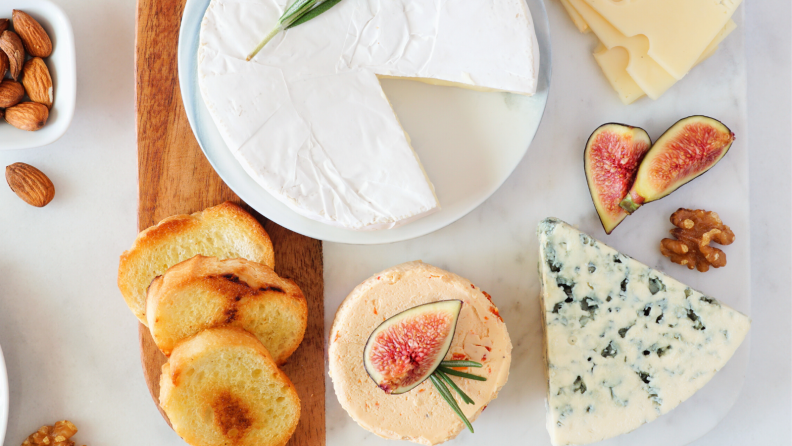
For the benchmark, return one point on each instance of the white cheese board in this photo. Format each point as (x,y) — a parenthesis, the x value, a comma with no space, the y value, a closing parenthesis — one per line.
(477,138)
(502,257)
(468,141)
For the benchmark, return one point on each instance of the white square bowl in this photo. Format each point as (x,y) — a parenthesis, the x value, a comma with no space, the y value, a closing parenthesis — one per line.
(62,66)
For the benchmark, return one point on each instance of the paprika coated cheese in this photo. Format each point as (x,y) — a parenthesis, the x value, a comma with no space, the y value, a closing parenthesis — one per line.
(420,415)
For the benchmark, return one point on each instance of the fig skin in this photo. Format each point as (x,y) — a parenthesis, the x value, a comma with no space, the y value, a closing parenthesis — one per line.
(684,152)
(451,307)
(611,160)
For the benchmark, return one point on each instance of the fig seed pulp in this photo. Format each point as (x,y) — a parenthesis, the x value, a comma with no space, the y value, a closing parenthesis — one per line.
(611,161)
(405,349)
(687,150)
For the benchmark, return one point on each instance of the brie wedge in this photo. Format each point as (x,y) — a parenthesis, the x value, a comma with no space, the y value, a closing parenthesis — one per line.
(307,118)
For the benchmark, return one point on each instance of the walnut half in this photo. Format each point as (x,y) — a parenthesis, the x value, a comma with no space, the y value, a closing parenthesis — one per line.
(57,435)
(694,232)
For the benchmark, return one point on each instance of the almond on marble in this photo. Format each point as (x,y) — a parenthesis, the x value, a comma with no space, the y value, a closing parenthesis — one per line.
(37,41)
(30,184)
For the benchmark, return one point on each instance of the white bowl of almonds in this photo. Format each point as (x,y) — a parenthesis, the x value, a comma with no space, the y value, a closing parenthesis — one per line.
(38,73)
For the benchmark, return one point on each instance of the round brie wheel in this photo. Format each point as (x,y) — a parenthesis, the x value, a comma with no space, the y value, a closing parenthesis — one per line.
(420,415)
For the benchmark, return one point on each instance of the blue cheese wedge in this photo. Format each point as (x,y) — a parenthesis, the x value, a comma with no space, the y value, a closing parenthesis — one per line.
(624,343)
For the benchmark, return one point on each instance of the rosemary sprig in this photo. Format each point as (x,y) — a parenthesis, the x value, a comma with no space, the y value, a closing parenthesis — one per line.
(297,13)
(450,400)
(452,384)
(320,8)
(461,364)
(448,371)
(440,377)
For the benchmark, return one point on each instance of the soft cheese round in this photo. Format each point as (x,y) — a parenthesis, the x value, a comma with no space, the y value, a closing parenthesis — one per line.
(420,415)
(307,117)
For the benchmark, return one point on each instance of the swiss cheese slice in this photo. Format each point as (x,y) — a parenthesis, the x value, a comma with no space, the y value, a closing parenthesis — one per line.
(652,78)
(624,343)
(645,71)
(307,118)
(676,31)
(614,61)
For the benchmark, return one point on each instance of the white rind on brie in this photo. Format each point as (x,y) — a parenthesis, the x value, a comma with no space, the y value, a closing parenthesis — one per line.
(624,343)
(307,117)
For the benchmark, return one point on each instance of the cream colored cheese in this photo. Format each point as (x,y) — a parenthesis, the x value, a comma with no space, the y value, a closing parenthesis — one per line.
(420,415)
(307,118)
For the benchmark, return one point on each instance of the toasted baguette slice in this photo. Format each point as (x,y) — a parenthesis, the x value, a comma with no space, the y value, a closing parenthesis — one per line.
(222,388)
(205,292)
(225,231)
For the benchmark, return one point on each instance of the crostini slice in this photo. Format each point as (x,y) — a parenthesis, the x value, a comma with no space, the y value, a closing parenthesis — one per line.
(224,231)
(221,388)
(204,292)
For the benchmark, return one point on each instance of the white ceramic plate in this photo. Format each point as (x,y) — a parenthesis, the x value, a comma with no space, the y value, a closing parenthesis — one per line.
(469,142)
(3,397)
(62,66)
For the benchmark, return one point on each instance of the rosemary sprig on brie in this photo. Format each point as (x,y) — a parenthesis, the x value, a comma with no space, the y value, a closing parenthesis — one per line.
(297,13)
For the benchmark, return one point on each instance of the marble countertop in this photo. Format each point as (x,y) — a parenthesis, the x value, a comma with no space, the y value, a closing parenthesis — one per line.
(71,346)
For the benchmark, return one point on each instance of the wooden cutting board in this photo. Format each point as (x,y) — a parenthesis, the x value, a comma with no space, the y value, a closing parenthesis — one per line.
(174,177)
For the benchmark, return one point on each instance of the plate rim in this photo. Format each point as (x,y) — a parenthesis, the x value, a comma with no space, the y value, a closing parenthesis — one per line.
(189,40)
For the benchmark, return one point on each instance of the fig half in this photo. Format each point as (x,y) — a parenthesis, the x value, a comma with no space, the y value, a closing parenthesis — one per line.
(613,154)
(406,349)
(688,149)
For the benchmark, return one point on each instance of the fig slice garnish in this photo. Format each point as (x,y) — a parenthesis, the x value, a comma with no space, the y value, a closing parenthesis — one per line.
(685,151)
(611,160)
(407,348)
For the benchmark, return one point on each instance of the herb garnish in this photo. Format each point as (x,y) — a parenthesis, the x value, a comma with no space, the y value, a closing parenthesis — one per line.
(297,13)
(440,378)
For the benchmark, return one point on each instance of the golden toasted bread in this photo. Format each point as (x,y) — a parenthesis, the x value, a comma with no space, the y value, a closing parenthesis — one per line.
(205,292)
(222,388)
(224,231)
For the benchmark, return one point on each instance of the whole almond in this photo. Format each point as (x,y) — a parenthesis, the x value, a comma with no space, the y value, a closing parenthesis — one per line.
(37,41)
(30,184)
(12,45)
(29,116)
(3,64)
(3,25)
(11,92)
(37,81)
